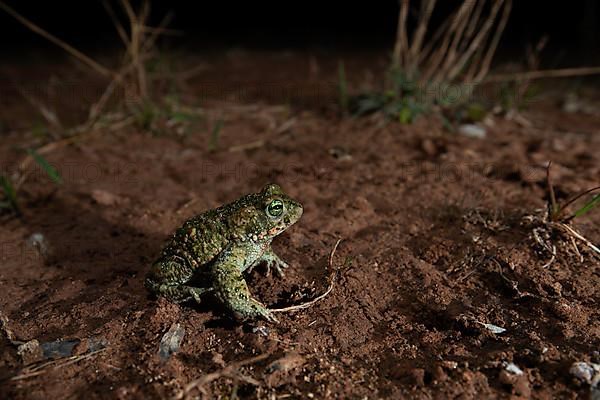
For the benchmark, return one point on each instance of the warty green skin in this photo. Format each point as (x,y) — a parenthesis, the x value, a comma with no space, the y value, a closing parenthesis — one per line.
(211,251)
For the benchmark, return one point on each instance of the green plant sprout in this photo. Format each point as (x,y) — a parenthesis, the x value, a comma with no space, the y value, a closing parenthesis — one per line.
(214,136)
(556,212)
(46,167)
(342,87)
(10,195)
(10,202)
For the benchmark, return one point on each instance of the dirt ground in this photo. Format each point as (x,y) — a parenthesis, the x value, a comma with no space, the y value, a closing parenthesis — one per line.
(435,245)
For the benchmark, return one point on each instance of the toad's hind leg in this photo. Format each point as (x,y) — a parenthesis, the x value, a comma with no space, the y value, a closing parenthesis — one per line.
(170,279)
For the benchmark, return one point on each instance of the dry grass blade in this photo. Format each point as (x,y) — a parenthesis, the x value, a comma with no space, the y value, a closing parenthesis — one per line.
(474,22)
(401,45)
(50,116)
(136,24)
(477,41)
(462,19)
(157,31)
(118,26)
(255,144)
(551,73)
(427,7)
(54,365)
(461,41)
(572,232)
(433,43)
(22,169)
(432,65)
(230,371)
(68,48)
(320,297)
(131,75)
(98,107)
(491,50)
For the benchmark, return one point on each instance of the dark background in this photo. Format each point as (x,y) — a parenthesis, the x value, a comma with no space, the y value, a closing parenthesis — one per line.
(572,27)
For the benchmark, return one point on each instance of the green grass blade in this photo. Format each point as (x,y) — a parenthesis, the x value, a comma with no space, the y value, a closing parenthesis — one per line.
(214,137)
(594,202)
(342,86)
(9,193)
(49,169)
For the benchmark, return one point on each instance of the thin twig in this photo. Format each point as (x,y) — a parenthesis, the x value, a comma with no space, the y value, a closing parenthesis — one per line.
(541,74)
(574,243)
(157,31)
(248,146)
(322,296)
(58,364)
(49,115)
(230,371)
(68,48)
(577,235)
(98,106)
(549,263)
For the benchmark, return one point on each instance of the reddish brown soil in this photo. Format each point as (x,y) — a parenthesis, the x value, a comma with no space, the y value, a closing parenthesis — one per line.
(434,245)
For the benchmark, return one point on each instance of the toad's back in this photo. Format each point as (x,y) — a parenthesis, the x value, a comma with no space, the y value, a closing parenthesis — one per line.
(197,242)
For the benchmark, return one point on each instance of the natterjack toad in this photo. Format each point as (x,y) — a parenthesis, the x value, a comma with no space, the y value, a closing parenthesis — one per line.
(211,251)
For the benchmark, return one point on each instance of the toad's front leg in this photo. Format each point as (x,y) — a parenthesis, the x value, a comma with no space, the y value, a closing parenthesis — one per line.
(231,288)
(273,261)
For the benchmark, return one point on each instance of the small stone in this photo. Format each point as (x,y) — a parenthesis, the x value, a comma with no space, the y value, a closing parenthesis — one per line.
(450,364)
(171,341)
(105,198)
(473,131)
(39,242)
(513,368)
(287,363)
(429,147)
(495,329)
(571,104)
(59,348)
(340,153)
(507,378)
(284,369)
(514,376)
(585,371)
(261,330)
(96,343)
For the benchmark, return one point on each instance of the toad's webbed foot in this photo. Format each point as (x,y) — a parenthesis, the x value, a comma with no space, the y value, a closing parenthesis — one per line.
(271,260)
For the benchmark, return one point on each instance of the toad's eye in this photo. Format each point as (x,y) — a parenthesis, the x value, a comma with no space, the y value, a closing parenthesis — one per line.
(275,208)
